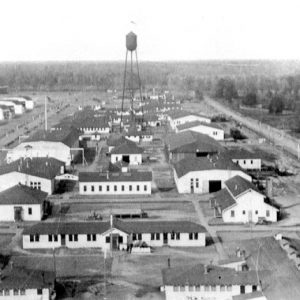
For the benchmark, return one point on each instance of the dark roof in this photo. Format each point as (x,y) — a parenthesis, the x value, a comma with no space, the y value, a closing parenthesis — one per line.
(134,132)
(133,175)
(20,278)
(223,199)
(65,136)
(127,148)
(190,142)
(215,276)
(248,296)
(238,185)
(101,227)
(117,167)
(175,114)
(115,140)
(188,125)
(21,194)
(187,165)
(44,167)
(241,154)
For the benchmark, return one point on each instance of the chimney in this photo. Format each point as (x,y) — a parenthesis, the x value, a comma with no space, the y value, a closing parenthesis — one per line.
(62,170)
(43,277)
(111,221)
(235,187)
(107,175)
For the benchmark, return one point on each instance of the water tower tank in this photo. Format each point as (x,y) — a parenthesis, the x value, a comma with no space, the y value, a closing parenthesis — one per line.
(131,41)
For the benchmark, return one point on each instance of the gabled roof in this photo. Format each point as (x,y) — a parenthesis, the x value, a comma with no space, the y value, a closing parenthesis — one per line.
(241,154)
(187,165)
(65,136)
(196,123)
(44,167)
(115,140)
(223,199)
(127,148)
(21,278)
(215,276)
(176,114)
(133,175)
(192,142)
(238,185)
(101,227)
(21,194)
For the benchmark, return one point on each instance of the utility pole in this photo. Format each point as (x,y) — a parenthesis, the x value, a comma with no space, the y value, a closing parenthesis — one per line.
(104,287)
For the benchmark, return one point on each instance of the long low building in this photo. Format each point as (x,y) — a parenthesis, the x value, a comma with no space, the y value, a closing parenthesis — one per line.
(113,234)
(115,183)
(205,174)
(208,282)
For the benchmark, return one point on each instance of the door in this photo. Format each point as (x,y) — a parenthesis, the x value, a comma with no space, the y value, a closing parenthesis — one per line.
(63,240)
(242,289)
(165,237)
(18,213)
(126,158)
(115,241)
(214,185)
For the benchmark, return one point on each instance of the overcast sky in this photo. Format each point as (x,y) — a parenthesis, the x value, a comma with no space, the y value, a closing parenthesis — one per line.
(167,29)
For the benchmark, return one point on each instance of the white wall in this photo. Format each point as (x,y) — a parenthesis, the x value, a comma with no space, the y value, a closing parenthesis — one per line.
(215,133)
(103,130)
(30,294)
(184,183)
(1,114)
(202,294)
(56,150)
(7,212)
(249,164)
(19,109)
(250,206)
(11,179)
(134,159)
(112,191)
(132,138)
(190,118)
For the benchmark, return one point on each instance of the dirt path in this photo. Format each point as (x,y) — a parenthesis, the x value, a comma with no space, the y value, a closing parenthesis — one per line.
(212,232)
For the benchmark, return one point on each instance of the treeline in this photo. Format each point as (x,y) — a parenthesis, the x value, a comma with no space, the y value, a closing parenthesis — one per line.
(199,76)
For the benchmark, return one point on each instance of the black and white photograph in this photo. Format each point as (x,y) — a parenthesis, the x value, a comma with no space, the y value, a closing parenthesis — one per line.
(150,150)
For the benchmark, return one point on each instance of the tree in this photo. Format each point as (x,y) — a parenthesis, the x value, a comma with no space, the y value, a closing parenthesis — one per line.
(276,105)
(199,94)
(225,88)
(250,99)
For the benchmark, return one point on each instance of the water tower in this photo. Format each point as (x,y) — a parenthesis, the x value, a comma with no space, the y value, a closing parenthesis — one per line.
(131,79)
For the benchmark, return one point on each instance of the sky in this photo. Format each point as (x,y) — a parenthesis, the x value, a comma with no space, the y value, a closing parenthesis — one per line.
(54,30)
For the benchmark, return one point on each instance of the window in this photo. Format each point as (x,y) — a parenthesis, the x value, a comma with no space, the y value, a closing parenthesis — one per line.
(191,288)
(175,288)
(23,292)
(197,183)
(182,288)
(152,236)
(92,188)
(1,292)
(268,213)
(6,292)
(145,188)
(134,237)
(39,291)
(120,240)
(31,184)
(50,238)
(107,239)
(76,237)
(84,188)
(100,188)
(29,210)
(31,238)
(196,236)
(190,236)
(229,288)
(70,237)
(94,237)
(177,236)
(172,236)
(16,292)
(251,162)
(232,214)
(37,238)
(107,188)
(115,188)
(213,288)
(123,188)
(198,288)
(139,236)
(130,188)
(244,212)
(88,237)
(256,212)
(157,236)
(254,288)
(206,288)
(244,162)
(222,288)
(38,185)
(55,238)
